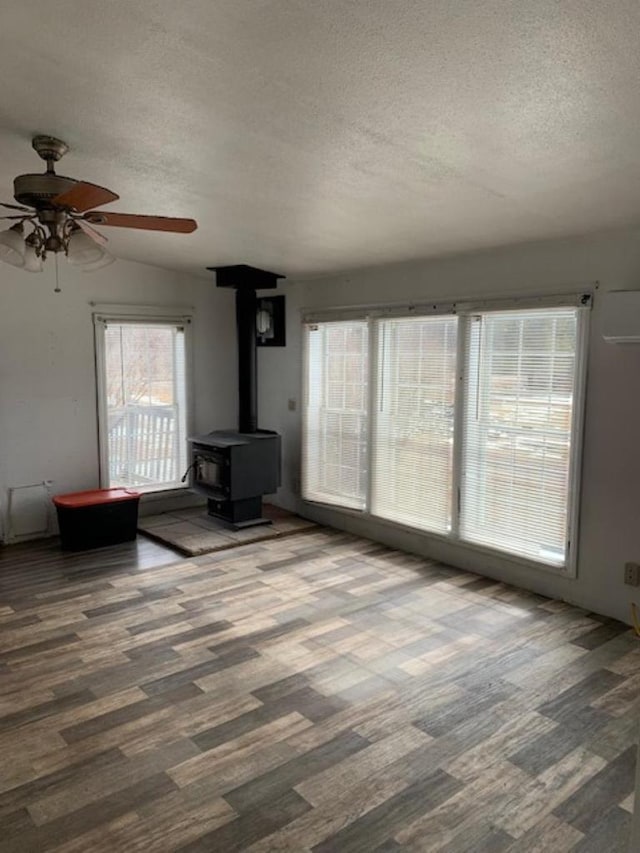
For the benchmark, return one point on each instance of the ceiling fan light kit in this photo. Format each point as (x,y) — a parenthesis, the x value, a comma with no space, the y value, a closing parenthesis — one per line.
(32,260)
(12,246)
(102,262)
(57,210)
(81,249)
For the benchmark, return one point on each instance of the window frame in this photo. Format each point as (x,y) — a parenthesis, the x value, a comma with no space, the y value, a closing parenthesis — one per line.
(582,301)
(375,401)
(305,407)
(143,315)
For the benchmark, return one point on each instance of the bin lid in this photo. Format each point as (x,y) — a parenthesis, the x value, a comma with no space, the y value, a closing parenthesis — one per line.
(95,497)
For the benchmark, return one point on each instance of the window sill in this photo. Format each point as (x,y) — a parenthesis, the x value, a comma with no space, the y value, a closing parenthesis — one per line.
(468,547)
(162,492)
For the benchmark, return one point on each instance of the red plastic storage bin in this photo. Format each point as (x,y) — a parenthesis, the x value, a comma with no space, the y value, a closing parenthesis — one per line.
(97,518)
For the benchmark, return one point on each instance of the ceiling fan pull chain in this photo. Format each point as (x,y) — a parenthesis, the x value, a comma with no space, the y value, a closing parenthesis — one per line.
(57,288)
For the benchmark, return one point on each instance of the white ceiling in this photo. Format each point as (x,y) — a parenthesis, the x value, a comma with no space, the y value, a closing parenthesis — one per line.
(314,135)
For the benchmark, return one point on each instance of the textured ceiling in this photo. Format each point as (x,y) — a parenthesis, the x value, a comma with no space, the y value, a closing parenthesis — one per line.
(314,135)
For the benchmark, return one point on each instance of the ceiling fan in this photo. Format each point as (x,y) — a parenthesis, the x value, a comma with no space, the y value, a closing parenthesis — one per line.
(58,214)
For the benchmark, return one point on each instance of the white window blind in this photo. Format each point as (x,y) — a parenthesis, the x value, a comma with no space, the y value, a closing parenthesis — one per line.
(143,410)
(518,431)
(484,450)
(414,418)
(335,416)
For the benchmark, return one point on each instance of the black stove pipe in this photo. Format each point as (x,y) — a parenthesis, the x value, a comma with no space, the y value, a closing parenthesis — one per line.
(246,304)
(245,280)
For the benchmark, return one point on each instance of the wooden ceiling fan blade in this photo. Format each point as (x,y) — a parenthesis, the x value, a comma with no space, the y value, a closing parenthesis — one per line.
(15,207)
(96,236)
(83,195)
(147,223)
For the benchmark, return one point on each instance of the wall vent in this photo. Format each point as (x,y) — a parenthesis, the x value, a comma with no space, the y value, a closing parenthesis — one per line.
(28,511)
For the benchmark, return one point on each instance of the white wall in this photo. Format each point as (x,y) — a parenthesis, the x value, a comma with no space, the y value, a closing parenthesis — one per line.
(610,502)
(48,426)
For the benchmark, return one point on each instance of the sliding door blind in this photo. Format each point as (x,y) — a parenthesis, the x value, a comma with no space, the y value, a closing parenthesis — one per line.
(335,417)
(518,429)
(414,417)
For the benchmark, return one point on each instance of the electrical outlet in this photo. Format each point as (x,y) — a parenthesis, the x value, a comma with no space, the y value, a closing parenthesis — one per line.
(632,574)
(291,404)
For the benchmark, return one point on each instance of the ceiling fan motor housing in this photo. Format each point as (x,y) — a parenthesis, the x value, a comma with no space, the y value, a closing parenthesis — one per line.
(38,190)
(49,148)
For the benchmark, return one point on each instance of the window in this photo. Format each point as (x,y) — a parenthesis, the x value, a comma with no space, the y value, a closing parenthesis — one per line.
(413,434)
(517,432)
(142,403)
(336,413)
(470,429)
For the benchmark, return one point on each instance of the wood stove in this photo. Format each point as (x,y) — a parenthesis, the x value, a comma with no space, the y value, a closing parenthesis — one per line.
(235,468)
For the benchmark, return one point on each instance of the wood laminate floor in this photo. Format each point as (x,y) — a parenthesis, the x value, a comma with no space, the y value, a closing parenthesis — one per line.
(318,692)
